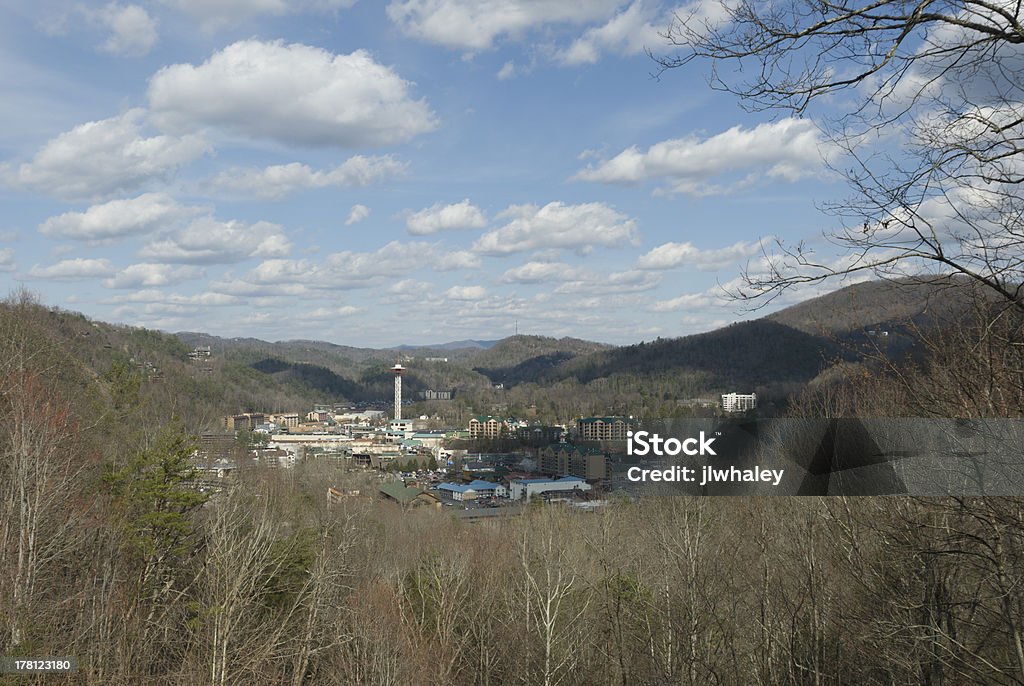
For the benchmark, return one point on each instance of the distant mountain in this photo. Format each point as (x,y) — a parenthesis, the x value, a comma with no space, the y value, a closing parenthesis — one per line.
(878,304)
(453,345)
(516,349)
(565,376)
(748,354)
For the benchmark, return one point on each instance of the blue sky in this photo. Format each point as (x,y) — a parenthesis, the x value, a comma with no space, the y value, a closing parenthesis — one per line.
(376,173)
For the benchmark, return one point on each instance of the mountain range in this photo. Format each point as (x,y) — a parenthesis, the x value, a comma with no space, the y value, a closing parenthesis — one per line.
(555,377)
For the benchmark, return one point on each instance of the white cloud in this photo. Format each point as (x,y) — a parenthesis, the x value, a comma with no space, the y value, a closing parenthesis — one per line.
(101,158)
(453,261)
(345,269)
(462,215)
(7,260)
(293,93)
(672,255)
(155,303)
(614,283)
(278,181)
(628,32)
(210,241)
(328,313)
(691,301)
(357,214)
(132,31)
(788,149)
(507,71)
(557,225)
(77,269)
(214,14)
(117,218)
(467,293)
(637,28)
(540,272)
(348,269)
(476,24)
(148,275)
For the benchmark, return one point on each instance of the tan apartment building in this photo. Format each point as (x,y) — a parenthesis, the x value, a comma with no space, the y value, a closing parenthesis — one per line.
(603,428)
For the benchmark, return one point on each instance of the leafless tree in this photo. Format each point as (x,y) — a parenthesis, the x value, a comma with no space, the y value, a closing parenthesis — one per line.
(929,130)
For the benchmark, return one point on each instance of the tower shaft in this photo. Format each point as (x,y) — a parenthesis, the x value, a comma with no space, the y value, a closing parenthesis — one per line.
(398,397)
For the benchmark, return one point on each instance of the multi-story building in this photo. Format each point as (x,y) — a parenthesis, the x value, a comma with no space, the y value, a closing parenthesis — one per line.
(288,419)
(573,460)
(431,394)
(246,420)
(487,427)
(603,428)
(538,434)
(216,446)
(739,402)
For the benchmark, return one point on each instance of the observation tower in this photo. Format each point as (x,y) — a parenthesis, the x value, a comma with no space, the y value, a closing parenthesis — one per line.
(397,371)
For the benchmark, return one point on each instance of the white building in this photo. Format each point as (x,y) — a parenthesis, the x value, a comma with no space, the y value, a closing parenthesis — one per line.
(473,490)
(524,489)
(739,402)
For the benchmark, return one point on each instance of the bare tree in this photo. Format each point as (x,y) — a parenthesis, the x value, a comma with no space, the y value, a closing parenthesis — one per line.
(929,130)
(40,463)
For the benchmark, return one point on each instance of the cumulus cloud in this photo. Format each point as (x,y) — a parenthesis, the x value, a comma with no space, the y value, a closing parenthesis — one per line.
(788,149)
(637,28)
(156,296)
(292,93)
(149,275)
(77,269)
(132,31)
(615,283)
(329,313)
(210,241)
(7,260)
(214,14)
(117,218)
(476,24)
(347,269)
(357,214)
(540,272)
(155,302)
(672,255)
(691,301)
(557,225)
(467,293)
(462,215)
(277,181)
(628,32)
(456,260)
(101,158)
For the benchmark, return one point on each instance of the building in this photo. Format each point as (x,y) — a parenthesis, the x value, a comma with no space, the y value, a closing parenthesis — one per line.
(573,460)
(246,420)
(473,490)
(200,352)
(603,428)
(524,489)
(288,419)
(538,434)
(738,402)
(488,428)
(213,446)
(408,497)
(431,394)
